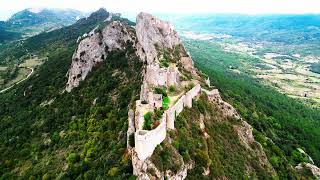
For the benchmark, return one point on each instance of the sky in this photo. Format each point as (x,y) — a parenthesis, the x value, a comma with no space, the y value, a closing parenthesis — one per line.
(9,7)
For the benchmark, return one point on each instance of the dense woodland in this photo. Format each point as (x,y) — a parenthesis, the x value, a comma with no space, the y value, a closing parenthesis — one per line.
(46,133)
(315,68)
(8,36)
(222,153)
(276,118)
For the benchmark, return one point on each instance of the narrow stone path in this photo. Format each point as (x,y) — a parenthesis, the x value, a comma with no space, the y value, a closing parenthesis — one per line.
(174,98)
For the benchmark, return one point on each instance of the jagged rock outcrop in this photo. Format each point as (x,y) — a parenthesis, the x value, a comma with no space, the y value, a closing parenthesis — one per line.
(154,41)
(314,169)
(94,48)
(143,167)
(116,36)
(228,110)
(152,31)
(90,51)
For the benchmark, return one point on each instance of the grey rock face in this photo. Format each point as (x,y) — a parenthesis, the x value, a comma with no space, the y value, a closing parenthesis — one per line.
(94,49)
(90,51)
(151,31)
(151,34)
(115,36)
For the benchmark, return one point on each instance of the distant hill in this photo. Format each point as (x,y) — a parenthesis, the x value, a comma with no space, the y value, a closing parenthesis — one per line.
(2,24)
(288,29)
(31,21)
(32,17)
(7,35)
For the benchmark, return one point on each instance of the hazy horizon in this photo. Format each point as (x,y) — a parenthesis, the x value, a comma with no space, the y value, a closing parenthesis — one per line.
(126,7)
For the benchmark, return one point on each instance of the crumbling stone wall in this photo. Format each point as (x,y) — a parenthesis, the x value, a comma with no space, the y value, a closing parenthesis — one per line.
(191,94)
(146,141)
(161,76)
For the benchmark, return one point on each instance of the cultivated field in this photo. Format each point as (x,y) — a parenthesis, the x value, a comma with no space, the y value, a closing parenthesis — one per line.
(289,74)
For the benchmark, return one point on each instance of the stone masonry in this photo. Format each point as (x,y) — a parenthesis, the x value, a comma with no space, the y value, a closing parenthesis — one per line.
(146,141)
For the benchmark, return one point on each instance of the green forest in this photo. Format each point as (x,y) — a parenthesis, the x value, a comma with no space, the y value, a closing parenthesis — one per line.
(315,68)
(275,117)
(48,134)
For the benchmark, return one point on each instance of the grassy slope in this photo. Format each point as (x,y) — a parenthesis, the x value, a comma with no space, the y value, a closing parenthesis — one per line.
(222,152)
(285,121)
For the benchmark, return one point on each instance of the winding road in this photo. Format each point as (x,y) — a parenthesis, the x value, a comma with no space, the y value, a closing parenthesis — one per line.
(6,89)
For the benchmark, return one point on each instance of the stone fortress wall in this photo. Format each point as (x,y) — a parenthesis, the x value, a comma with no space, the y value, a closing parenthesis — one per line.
(184,101)
(141,109)
(150,32)
(146,141)
(161,76)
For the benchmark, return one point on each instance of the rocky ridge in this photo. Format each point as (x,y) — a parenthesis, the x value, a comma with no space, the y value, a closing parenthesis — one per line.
(167,65)
(151,32)
(94,48)
(182,74)
(314,169)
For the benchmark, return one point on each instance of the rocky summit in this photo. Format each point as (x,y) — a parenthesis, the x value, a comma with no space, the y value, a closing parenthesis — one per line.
(94,48)
(167,65)
(107,98)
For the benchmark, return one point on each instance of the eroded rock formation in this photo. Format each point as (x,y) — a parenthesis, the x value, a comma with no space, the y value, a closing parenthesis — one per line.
(167,65)
(152,32)
(94,48)
(314,169)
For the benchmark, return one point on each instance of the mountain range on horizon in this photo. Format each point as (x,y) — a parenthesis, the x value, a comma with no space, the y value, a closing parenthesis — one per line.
(31,21)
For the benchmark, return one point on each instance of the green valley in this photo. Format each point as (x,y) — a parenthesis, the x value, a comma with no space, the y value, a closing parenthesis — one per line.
(276,117)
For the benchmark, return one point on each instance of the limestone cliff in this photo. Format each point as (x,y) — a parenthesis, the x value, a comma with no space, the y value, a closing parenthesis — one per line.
(94,48)
(169,65)
(171,87)
(152,32)
(154,40)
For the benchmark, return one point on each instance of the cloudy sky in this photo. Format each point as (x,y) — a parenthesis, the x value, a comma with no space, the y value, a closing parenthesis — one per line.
(8,7)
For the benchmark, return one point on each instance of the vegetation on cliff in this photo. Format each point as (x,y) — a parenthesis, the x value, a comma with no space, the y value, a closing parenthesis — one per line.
(276,118)
(222,153)
(49,134)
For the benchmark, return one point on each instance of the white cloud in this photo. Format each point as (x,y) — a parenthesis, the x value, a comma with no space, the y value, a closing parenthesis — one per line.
(7,7)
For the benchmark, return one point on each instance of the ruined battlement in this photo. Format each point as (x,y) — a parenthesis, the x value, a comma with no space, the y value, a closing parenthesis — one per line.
(158,76)
(146,141)
(157,38)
